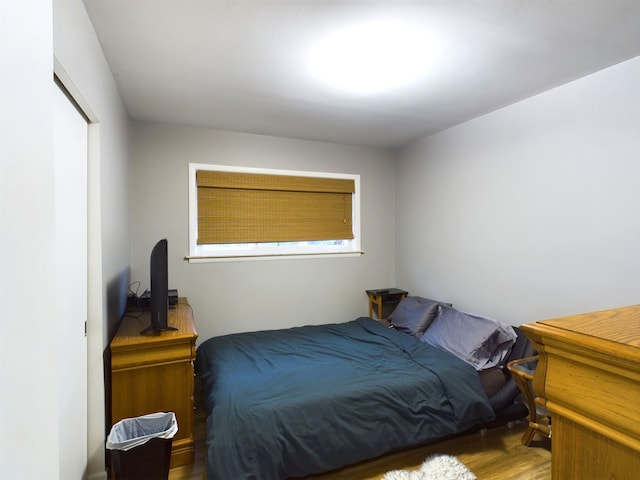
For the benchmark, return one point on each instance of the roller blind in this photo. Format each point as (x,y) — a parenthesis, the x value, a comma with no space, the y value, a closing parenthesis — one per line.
(237,207)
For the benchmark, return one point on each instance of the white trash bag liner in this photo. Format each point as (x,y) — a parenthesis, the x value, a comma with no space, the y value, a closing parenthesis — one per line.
(133,432)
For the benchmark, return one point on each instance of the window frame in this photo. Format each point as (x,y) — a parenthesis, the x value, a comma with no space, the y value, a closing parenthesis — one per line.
(218,253)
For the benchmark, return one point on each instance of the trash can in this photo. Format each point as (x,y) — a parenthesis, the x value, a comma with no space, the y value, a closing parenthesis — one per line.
(141,446)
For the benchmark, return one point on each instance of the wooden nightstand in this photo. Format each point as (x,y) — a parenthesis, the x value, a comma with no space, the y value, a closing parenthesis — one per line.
(385,301)
(154,373)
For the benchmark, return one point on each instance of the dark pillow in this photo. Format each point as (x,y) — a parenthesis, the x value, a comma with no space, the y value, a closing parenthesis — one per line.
(492,380)
(413,315)
(479,341)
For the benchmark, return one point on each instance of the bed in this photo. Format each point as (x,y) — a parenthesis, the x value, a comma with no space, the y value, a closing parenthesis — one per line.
(293,402)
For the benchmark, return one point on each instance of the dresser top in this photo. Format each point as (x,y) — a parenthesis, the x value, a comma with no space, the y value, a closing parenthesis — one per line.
(613,335)
(180,317)
(620,325)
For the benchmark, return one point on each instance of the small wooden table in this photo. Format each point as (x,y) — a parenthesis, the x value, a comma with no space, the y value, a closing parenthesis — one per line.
(385,301)
(588,376)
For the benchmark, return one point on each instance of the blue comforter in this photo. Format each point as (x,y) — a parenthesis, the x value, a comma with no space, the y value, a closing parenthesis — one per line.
(288,403)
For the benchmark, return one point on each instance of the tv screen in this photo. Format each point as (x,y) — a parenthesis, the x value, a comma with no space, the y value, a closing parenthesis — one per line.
(159,273)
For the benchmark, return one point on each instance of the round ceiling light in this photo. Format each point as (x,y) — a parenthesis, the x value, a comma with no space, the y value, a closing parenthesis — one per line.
(373,58)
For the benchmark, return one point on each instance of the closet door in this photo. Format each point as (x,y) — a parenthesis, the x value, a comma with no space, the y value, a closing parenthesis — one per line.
(70,250)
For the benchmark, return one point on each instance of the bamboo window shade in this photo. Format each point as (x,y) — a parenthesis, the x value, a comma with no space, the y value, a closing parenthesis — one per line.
(238,207)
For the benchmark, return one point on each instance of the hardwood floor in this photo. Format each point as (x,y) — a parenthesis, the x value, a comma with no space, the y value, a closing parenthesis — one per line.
(498,455)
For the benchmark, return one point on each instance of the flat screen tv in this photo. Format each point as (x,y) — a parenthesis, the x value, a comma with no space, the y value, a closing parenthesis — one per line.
(159,274)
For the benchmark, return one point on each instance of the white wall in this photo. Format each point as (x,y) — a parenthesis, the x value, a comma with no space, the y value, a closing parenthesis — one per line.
(532,211)
(249,295)
(80,58)
(28,350)
(77,50)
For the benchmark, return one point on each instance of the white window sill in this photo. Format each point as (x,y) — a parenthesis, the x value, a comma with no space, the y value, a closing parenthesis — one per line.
(272,256)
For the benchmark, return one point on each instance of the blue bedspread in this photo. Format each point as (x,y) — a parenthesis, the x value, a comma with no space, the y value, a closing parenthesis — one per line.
(288,403)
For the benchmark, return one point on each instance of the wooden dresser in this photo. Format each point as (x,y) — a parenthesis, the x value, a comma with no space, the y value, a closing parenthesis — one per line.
(588,376)
(154,373)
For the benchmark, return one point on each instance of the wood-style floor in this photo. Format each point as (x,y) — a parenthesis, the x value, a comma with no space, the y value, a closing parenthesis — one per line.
(498,455)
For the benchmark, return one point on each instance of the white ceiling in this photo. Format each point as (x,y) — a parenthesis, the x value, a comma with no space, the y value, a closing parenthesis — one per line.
(243,65)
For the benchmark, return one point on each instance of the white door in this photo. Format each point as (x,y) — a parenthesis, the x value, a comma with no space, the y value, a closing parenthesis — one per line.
(70,249)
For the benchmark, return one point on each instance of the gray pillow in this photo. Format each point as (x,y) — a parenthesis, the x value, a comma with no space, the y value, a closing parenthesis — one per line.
(413,315)
(479,341)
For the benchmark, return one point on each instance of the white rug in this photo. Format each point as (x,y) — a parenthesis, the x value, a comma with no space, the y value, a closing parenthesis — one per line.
(436,467)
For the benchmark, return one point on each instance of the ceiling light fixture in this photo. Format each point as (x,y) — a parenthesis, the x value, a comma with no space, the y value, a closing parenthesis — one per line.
(374,57)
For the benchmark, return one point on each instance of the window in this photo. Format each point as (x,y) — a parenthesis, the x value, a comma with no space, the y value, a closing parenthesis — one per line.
(237,212)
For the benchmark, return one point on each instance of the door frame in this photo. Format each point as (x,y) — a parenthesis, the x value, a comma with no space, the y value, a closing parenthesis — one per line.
(96,330)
